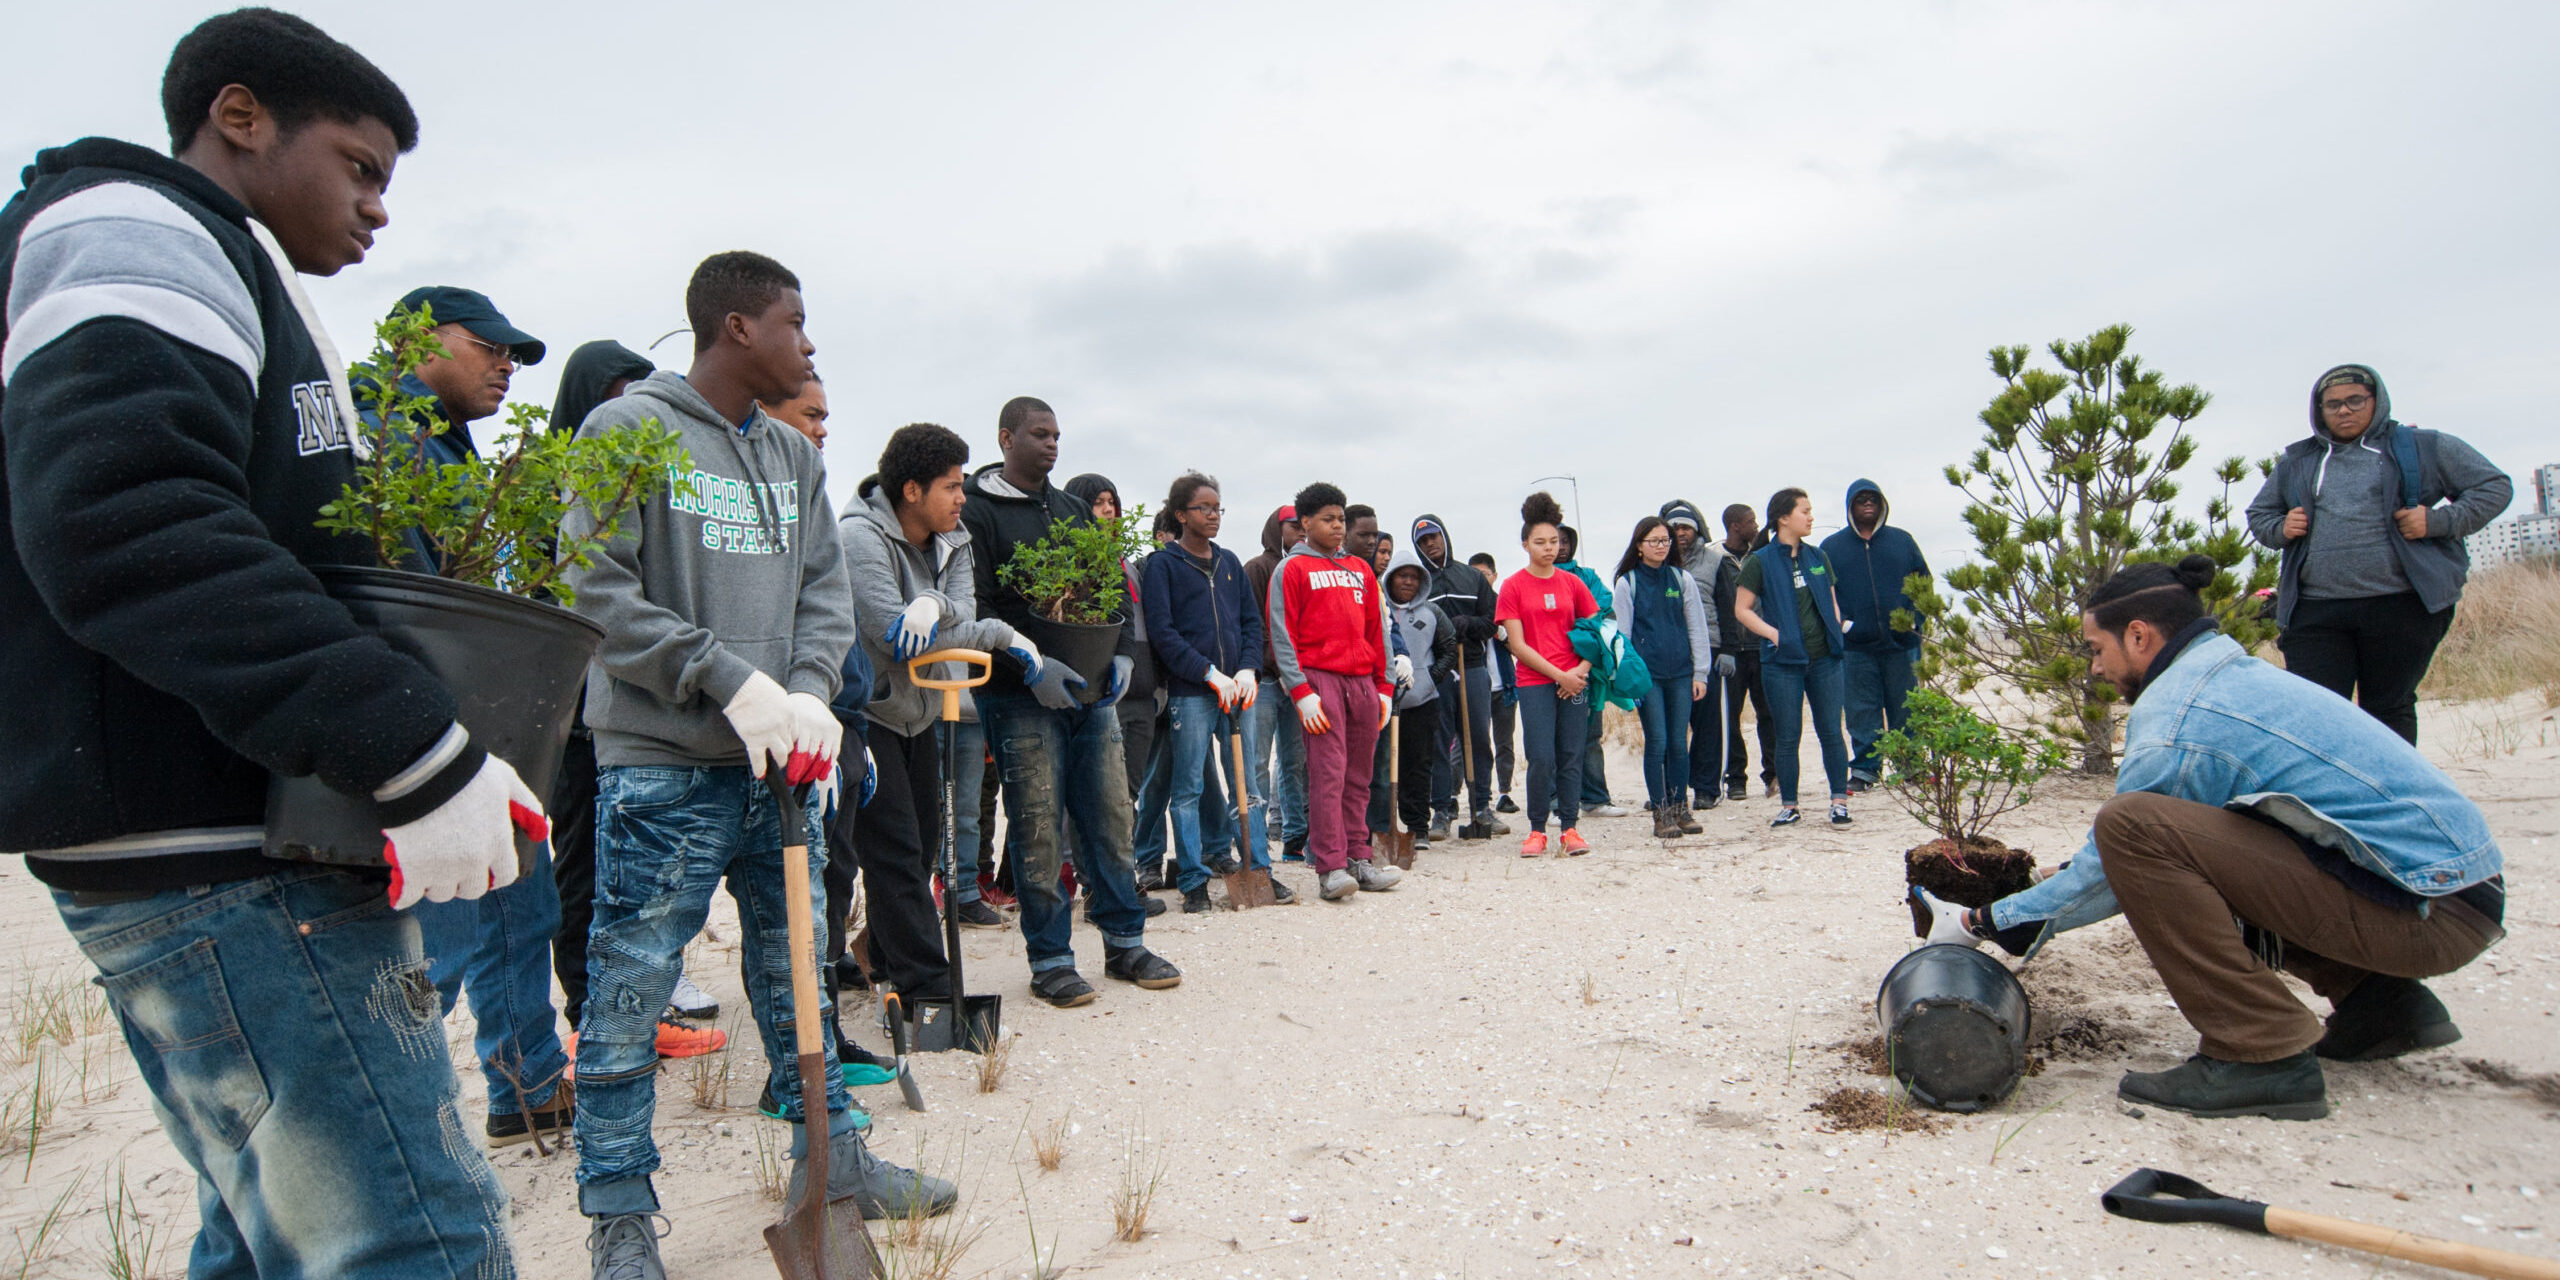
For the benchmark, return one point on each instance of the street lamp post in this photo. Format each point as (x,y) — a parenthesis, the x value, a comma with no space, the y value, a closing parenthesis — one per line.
(1577,495)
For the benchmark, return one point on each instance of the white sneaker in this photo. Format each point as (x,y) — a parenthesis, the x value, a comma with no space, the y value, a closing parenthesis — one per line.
(692,1002)
(1606,811)
(1373,878)
(1337,885)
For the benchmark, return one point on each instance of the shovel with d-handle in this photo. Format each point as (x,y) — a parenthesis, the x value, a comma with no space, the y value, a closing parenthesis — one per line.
(2150,1195)
(1247,885)
(810,1243)
(964,1021)
(1471,829)
(1399,836)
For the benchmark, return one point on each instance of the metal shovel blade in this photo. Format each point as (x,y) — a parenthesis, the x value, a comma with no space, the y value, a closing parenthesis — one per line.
(1247,886)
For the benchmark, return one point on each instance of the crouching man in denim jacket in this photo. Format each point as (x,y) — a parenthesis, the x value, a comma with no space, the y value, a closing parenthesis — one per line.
(2260,823)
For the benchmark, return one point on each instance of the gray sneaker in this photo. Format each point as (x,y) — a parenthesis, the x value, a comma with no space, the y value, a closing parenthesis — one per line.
(624,1246)
(1337,885)
(1606,810)
(1373,878)
(1499,827)
(877,1188)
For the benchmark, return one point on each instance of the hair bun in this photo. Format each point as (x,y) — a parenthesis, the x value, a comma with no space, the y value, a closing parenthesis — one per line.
(2196,572)
(1541,508)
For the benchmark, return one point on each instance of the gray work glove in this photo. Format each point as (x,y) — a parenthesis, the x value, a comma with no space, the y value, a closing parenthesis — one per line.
(1056,686)
(1724,665)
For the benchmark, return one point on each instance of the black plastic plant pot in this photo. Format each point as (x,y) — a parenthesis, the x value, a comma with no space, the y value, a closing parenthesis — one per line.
(514,665)
(1955,1027)
(1086,648)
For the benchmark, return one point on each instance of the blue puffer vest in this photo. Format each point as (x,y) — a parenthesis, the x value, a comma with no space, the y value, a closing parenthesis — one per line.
(1778,602)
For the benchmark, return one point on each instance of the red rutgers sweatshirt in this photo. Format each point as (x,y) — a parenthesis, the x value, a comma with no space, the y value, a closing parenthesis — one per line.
(1328,614)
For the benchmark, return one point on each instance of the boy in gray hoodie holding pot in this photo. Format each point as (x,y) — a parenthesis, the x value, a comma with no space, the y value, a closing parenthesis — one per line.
(727,614)
(914,592)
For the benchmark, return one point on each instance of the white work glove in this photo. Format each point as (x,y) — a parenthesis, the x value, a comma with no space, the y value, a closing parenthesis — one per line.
(816,737)
(826,797)
(1400,668)
(1248,687)
(1026,653)
(1226,687)
(1311,713)
(761,713)
(1386,707)
(917,625)
(466,846)
(1724,664)
(1945,920)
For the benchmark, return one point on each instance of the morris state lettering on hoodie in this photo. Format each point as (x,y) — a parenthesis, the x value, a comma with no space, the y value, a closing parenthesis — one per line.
(732,514)
(1320,578)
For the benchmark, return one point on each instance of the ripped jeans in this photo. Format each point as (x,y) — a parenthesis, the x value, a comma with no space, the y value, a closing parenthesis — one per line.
(295,1053)
(666,836)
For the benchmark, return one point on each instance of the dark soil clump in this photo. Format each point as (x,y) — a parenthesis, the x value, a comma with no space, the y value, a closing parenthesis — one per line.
(1866,1053)
(1849,1107)
(1988,872)
(2544,1089)
(2077,1037)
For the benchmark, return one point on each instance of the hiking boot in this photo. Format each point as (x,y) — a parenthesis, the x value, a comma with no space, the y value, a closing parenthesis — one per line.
(1787,817)
(1533,845)
(1142,967)
(2385,1017)
(692,1003)
(1604,809)
(1492,823)
(1373,878)
(1336,885)
(1665,825)
(975,914)
(1505,804)
(1574,845)
(1196,900)
(1293,849)
(624,1246)
(1062,988)
(550,1119)
(877,1188)
(676,1040)
(770,1107)
(1440,826)
(2285,1089)
(1281,893)
(1687,822)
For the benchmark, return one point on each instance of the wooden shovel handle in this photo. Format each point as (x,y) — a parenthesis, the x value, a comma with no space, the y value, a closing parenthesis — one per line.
(982,664)
(2450,1254)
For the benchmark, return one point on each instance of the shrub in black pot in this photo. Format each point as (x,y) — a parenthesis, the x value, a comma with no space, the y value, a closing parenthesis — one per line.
(1955,773)
(482,623)
(1077,583)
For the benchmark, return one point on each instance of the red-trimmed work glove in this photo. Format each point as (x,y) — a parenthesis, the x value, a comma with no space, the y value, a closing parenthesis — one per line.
(816,737)
(466,846)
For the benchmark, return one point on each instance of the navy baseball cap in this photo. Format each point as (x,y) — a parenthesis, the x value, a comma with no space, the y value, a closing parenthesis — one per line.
(452,304)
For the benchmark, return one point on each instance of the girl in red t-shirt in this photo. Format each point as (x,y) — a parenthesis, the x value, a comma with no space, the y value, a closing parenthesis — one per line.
(1536,610)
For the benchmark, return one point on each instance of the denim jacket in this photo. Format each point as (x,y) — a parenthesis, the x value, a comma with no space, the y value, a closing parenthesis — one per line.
(2222,728)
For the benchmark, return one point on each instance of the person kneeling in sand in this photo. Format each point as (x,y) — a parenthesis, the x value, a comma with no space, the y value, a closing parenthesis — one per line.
(2260,822)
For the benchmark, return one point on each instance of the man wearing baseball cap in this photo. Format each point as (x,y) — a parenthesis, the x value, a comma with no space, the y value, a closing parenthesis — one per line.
(469,381)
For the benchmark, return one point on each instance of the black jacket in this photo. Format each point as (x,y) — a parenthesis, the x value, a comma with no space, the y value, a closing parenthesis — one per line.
(168,446)
(1460,591)
(997,523)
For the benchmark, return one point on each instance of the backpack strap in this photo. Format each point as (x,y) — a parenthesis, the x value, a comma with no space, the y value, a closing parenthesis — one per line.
(2404,450)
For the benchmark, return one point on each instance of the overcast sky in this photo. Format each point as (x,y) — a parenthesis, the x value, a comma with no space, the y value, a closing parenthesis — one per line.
(1433,252)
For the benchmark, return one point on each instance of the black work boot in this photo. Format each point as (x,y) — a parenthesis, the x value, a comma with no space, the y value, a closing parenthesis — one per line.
(2385,1017)
(1141,966)
(1195,900)
(1062,988)
(2285,1089)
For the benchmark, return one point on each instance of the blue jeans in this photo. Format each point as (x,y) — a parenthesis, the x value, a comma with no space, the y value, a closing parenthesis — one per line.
(1665,716)
(1877,680)
(499,948)
(965,786)
(295,1055)
(666,836)
(1277,719)
(1790,688)
(1551,730)
(1204,819)
(1065,766)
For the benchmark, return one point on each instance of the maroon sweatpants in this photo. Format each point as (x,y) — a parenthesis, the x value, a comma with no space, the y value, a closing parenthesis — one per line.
(1338,767)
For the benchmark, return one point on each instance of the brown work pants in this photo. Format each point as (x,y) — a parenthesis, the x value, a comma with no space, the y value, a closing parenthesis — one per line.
(2182,870)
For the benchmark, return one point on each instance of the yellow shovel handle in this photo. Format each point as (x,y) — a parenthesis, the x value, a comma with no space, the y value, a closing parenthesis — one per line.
(983,666)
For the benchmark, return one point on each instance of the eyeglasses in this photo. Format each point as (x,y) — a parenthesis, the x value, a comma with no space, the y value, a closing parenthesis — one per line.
(1206,511)
(2348,404)
(498,349)
(1655,541)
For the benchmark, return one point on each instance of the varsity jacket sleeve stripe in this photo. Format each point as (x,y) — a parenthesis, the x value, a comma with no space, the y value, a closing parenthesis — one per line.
(121,249)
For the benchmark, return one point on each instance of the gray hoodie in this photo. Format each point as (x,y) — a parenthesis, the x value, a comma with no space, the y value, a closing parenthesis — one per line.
(701,589)
(889,573)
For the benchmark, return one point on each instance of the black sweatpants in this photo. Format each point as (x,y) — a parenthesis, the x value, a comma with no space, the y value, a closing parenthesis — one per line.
(573,867)
(1413,767)
(1737,759)
(2374,650)
(898,836)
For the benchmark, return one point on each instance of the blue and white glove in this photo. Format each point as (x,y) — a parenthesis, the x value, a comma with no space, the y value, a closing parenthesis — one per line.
(1118,684)
(828,794)
(1028,654)
(1056,687)
(912,634)
(870,778)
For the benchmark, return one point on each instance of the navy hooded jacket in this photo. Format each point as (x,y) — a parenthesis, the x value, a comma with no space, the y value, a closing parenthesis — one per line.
(1200,614)
(1868,573)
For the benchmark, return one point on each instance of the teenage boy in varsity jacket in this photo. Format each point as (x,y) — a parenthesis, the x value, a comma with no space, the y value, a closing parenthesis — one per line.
(173,419)
(1329,637)
(727,612)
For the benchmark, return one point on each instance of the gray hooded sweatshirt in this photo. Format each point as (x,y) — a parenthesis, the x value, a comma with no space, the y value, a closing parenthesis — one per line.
(739,573)
(889,573)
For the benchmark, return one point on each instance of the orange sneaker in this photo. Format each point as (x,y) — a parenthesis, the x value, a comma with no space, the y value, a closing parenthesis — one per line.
(1534,845)
(676,1040)
(1574,845)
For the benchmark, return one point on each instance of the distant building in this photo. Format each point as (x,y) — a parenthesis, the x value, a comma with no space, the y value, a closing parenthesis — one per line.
(2526,535)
